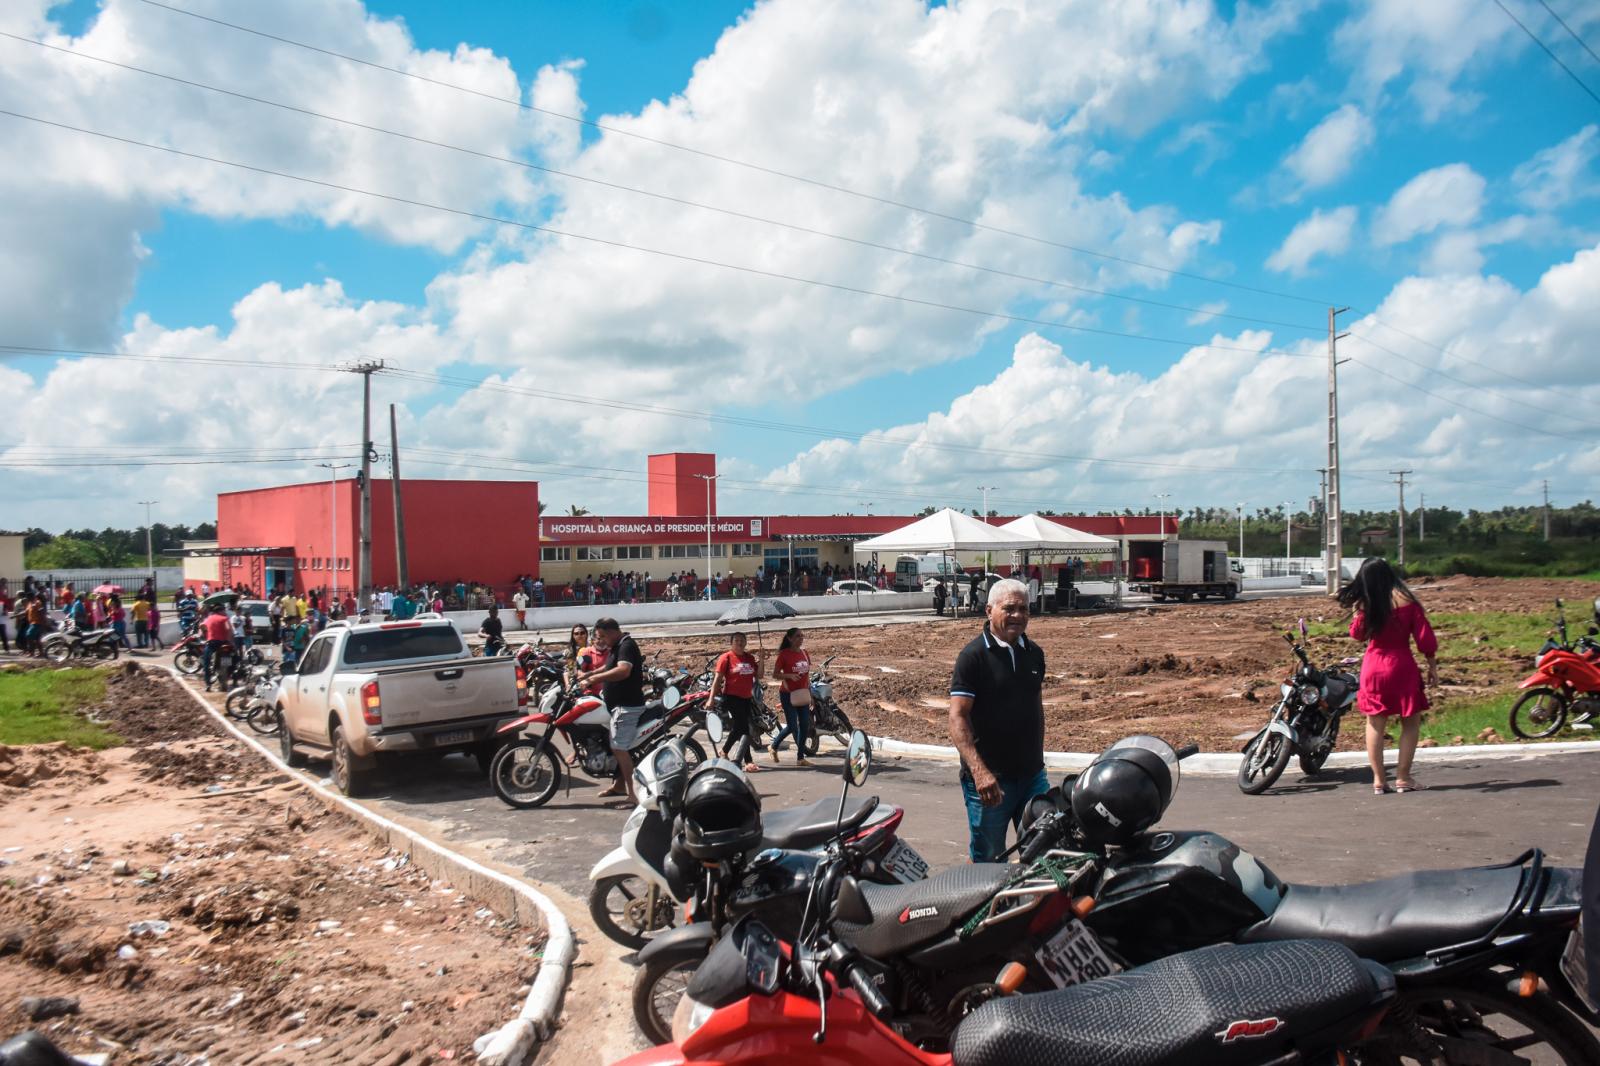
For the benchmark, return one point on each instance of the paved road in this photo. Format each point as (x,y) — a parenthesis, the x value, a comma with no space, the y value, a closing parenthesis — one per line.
(1330,829)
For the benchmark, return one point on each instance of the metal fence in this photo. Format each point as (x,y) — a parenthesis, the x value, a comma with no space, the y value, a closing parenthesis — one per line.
(82,580)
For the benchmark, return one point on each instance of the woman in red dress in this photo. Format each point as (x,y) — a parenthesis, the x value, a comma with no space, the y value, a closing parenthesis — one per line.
(1388,617)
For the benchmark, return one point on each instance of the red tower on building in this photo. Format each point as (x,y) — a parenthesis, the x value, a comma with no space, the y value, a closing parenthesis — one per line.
(678,486)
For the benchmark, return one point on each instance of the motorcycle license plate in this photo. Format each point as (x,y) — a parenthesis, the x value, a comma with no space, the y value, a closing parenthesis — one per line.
(1575,964)
(458,736)
(1074,955)
(904,864)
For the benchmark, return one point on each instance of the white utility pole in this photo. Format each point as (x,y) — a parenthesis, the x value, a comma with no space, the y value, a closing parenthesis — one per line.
(1333,543)
(1422,517)
(362,580)
(1240,508)
(1288,529)
(1400,479)
(1163,497)
(1547,509)
(149,552)
(333,523)
(708,479)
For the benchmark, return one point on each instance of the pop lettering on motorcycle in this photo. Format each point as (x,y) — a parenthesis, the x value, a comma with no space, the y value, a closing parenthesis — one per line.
(1248,1030)
(911,914)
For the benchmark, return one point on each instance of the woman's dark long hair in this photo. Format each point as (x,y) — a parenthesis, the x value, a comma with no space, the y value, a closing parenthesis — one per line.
(1372,592)
(793,632)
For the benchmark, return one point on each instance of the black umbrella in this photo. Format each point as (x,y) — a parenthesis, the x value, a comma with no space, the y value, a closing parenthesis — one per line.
(756,610)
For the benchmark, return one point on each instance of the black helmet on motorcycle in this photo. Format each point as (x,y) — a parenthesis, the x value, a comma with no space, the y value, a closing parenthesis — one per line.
(1126,790)
(721,812)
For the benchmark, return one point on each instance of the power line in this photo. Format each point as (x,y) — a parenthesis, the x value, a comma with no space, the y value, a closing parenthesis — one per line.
(680,256)
(664,197)
(1570,31)
(774,172)
(1465,359)
(1467,407)
(1532,37)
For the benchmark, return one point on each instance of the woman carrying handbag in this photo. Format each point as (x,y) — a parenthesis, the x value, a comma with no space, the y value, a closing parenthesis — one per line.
(793,670)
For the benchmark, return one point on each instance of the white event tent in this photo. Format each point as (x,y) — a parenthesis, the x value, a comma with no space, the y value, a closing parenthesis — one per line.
(947,531)
(1048,535)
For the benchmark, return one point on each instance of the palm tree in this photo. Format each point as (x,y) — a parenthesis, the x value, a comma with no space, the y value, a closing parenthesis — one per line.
(575,510)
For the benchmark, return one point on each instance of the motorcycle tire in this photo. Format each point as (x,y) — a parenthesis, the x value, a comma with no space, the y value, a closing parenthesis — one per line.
(633,892)
(105,650)
(657,988)
(58,652)
(1459,1019)
(693,753)
(262,717)
(187,662)
(527,783)
(1272,768)
(1311,764)
(236,704)
(1541,712)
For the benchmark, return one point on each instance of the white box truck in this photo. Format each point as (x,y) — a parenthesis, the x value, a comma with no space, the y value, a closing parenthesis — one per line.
(1192,570)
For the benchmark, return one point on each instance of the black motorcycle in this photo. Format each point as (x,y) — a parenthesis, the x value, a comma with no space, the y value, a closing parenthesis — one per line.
(1305,721)
(1477,951)
(826,715)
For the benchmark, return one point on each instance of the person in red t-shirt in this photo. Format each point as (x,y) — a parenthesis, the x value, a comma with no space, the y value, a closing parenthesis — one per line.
(219,641)
(793,670)
(734,680)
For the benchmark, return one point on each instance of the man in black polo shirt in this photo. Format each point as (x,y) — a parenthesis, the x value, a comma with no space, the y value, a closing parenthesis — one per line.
(997,721)
(622,678)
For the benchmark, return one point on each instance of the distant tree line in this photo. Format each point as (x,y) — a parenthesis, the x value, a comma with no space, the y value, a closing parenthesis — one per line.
(110,548)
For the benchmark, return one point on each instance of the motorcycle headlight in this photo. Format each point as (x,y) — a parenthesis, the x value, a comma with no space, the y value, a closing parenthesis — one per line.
(824,690)
(666,762)
(688,1017)
(1310,695)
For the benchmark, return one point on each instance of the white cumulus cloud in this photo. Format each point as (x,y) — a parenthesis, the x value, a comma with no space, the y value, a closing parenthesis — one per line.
(1330,149)
(1321,233)
(1562,174)
(1450,195)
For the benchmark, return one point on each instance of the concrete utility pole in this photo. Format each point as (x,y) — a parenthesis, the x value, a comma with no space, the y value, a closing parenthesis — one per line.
(1333,543)
(1422,517)
(1400,479)
(1240,508)
(333,521)
(363,575)
(150,555)
(402,571)
(1288,530)
(1547,509)
(708,479)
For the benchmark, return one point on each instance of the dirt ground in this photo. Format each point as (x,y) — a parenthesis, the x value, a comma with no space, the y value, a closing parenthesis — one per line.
(186,905)
(1203,672)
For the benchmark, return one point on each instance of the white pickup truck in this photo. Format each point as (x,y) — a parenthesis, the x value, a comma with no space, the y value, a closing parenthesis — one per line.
(368,690)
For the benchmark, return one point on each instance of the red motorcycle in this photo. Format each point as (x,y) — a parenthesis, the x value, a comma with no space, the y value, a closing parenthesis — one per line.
(528,771)
(1565,683)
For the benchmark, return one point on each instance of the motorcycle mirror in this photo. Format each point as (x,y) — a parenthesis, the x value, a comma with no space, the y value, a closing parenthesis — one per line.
(671,697)
(1559,604)
(714,727)
(858,758)
(1304,633)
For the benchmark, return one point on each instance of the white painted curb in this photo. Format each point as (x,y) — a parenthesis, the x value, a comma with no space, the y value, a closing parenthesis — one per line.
(510,1044)
(1228,764)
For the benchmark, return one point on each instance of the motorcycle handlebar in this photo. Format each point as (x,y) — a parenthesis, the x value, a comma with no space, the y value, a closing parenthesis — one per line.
(1188,750)
(870,994)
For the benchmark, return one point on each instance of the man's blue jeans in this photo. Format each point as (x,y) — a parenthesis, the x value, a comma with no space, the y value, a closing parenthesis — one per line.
(987,825)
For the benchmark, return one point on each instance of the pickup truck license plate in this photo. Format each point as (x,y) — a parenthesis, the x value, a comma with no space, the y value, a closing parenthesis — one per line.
(456,736)
(1074,955)
(904,864)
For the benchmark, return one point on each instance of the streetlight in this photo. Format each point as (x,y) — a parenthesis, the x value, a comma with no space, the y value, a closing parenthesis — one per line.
(333,518)
(1288,530)
(1163,497)
(708,479)
(1240,508)
(149,554)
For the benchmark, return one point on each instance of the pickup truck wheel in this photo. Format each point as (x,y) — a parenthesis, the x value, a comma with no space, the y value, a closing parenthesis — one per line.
(524,775)
(291,758)
(349,780)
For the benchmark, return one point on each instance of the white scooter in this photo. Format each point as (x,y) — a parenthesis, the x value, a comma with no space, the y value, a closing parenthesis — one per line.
(630,899)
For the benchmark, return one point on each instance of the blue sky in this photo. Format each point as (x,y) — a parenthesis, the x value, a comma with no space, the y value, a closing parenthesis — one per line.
(1207,128)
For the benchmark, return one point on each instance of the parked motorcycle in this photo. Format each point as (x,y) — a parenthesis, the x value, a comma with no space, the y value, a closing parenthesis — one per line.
(1477,951)
(188,651)
(826,714)
(1305,721)
(825,997)
(527,771)
(75,643)
(1565,684)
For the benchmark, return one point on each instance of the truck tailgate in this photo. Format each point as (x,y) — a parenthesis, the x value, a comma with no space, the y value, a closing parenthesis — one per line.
(432,693)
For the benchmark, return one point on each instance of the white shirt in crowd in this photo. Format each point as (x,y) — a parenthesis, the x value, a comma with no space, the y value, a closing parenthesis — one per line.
(387,601)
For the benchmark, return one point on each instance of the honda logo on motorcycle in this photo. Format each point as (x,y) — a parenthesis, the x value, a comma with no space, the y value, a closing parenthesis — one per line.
(911,914)
(1250,1030)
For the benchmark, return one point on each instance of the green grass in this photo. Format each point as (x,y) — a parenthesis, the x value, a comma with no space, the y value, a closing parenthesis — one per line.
(40,707)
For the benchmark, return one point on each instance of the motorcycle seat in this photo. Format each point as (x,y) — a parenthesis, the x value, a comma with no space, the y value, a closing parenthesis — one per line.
(1397,917)
(906,916)
(1182,1009)
(803,828)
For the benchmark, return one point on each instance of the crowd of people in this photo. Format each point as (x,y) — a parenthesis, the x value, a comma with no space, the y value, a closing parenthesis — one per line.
(39,608)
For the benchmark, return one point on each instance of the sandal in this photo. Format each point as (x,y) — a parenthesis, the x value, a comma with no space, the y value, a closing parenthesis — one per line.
(1379,788)
(1409,786)
(751,768)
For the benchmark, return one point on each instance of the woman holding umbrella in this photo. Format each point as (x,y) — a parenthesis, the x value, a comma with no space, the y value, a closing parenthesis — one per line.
(734,679)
